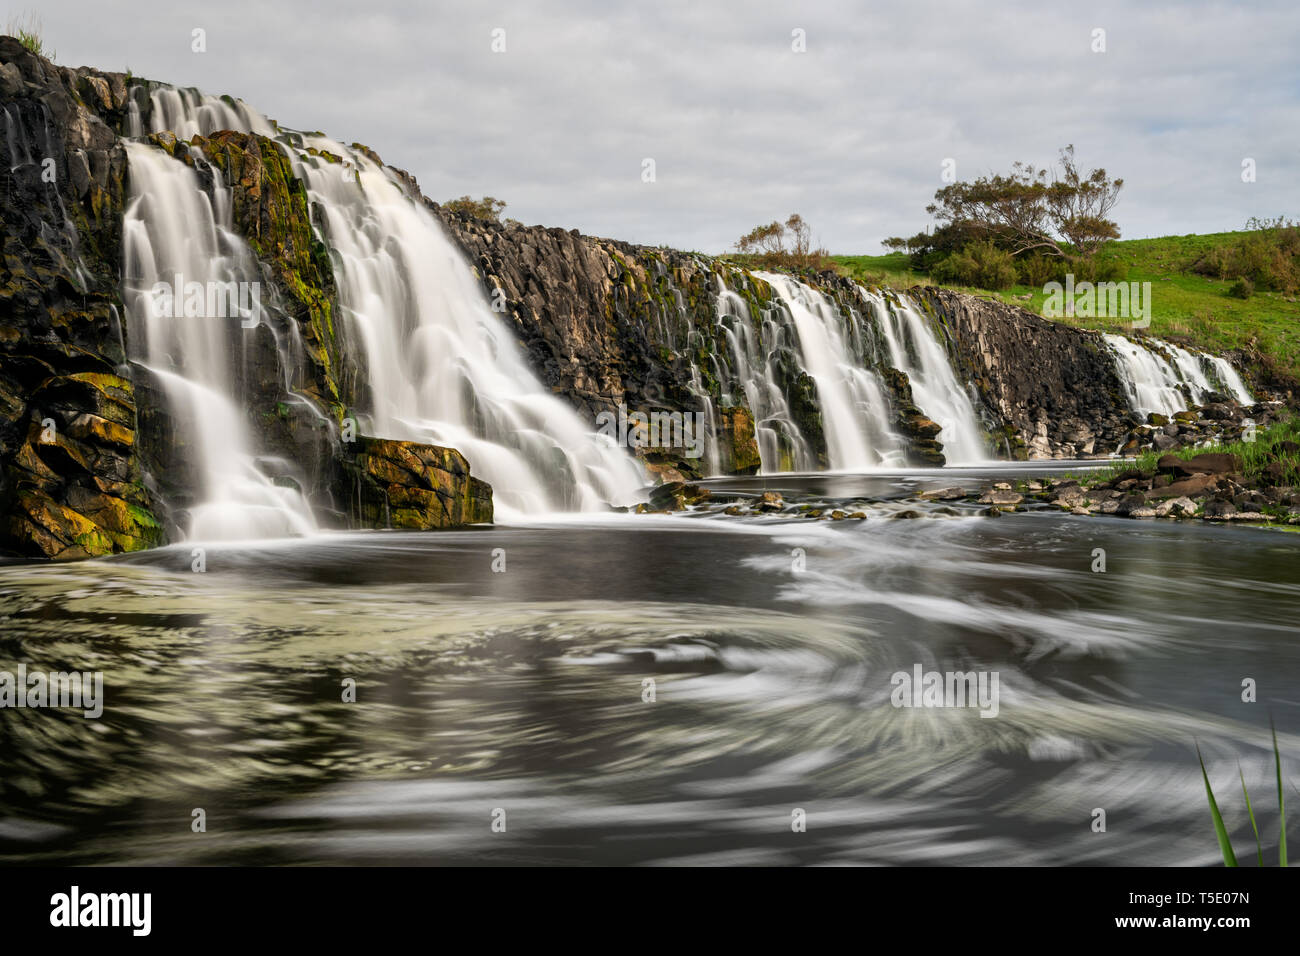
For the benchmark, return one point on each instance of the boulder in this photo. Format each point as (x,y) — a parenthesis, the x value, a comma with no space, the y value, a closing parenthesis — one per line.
(943,494)
(1274,473)
(1001,498)
(404,484)
(1208,463)
(1176,507)
(1216,508)
(1130,504)
(1195,486)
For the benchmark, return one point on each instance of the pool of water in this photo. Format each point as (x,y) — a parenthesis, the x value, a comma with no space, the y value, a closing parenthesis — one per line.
(660,689)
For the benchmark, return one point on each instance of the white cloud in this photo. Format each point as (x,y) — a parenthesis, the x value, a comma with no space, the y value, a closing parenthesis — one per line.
(851,133)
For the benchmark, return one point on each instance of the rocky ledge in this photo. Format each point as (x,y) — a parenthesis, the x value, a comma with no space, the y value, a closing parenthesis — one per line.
(407,485)
(1211,486)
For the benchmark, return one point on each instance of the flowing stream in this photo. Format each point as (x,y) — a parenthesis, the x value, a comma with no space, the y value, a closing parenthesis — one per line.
(770,645)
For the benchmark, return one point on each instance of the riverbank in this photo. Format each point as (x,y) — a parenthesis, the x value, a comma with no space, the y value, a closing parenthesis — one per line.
(1254,478)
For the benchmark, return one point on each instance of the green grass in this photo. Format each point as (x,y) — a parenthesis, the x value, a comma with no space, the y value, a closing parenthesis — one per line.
(27,30)
(1186,308)
(1252,455)
(1221,831)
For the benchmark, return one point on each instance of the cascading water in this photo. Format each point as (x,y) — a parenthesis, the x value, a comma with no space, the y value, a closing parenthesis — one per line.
(1154,383)
(855,410)
(914,349)
(781,445)
(1227,375)
(441,367)
(189,113)
(175,236)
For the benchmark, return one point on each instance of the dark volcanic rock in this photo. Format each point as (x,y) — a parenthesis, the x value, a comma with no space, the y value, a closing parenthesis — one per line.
(1205,464)
(1219,509)
(402,484)
(1192,487)
(70,482)
(1054,387)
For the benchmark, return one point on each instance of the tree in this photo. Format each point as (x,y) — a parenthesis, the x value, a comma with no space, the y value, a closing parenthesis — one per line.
(1042,212)
(485,208)
(1078,205)
(786,244)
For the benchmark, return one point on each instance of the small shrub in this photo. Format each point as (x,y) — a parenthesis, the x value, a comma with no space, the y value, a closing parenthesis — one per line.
(485,208)
(979,264)
(1243,288)
(1268,255)
(786,245)
(1036,270)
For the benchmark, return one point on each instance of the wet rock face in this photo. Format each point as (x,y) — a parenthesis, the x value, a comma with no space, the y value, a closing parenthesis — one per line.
(70,482)
(1055,388)
(739,446)
(607,323)
(270,209)
(604,323)
(408,485)
(73,487)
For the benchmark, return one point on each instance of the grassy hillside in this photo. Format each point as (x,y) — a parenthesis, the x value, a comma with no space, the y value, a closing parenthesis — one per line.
(1186,307)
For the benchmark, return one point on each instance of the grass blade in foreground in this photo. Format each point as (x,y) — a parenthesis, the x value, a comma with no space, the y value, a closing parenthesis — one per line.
(1250,812)
(1281,801)
(1229,858)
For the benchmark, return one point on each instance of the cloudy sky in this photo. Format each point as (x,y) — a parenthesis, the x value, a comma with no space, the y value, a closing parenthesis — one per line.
(742,129)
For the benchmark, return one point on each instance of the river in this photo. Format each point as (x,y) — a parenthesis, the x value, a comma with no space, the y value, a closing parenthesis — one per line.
(660,689)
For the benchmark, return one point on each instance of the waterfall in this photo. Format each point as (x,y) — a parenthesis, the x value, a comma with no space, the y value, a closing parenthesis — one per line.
(1227,376)
(914,349)
(189,113)
(441,367)
(1170,382)
(855,410)
(750,362)
(173,235)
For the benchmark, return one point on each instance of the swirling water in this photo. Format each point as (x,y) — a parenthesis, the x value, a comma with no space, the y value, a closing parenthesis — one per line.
(521,693)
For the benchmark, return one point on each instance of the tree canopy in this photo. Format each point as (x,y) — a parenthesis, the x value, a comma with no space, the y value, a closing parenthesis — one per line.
(485,208)
(1058,212)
